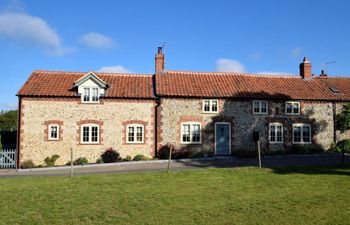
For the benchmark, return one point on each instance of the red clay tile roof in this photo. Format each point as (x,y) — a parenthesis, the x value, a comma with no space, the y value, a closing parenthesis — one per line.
(238,85)
(61,84)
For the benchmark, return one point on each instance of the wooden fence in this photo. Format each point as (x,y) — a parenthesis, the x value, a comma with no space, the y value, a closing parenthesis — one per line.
(7,158)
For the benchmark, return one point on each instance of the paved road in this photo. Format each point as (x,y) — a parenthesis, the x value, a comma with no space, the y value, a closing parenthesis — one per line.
(225,162)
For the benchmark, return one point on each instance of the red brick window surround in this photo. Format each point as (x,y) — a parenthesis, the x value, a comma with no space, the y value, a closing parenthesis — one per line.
(90,132)
(53,130)
(135,132)
(190,130)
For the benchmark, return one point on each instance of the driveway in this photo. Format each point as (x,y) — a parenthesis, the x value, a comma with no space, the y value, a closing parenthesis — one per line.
(161,165)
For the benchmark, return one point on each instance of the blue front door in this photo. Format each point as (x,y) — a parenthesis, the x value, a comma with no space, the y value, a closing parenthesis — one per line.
(222,138)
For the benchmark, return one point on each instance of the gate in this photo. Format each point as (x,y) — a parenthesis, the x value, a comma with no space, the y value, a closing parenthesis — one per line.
(8,158)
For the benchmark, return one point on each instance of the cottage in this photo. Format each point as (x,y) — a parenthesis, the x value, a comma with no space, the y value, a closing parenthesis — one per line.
(210,112)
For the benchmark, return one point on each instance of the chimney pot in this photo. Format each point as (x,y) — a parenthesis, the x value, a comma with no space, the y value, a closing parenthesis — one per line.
(159,61)
(305,69)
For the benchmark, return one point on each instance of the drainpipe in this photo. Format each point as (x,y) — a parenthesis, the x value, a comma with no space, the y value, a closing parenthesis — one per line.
(18,130)
(334,108)
(156,108)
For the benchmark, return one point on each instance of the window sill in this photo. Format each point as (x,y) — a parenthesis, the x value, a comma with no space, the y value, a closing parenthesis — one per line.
(89,143)
(191,143)
(210,112)
(131,143)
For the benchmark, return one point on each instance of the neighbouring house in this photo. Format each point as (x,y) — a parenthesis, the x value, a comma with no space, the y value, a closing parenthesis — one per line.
(210,112)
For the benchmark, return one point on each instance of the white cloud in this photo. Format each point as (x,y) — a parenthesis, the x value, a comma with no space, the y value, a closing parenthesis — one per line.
(275,73)
(296,51)
(229,65)
(98,41)
(29,30)
(256,56)
(114,69)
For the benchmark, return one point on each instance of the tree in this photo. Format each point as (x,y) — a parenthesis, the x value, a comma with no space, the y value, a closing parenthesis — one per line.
(8,120)
(343,124)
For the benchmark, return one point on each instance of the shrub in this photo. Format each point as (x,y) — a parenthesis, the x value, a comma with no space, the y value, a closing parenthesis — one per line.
(128,158)
(50,161)
(181,154)
(305,149)
(163,151)
(344,146)
(27,164)
(99,161)
(80,161)
(245,153)
(141,157)
(110,156)
(334,148)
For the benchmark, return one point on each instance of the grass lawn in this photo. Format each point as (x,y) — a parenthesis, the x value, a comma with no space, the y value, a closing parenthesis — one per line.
(301,195)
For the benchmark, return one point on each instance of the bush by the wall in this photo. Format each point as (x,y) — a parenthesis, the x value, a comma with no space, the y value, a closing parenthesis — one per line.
(344,146)
(99,160)
(80,161)
(334,148)
(244,153)
(110,156)
(127,158)
(141,157)
(163,151)
(27,164)
(50,161)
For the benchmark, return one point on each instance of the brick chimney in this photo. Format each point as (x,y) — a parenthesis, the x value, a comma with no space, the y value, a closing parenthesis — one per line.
(305,69)
(159,60)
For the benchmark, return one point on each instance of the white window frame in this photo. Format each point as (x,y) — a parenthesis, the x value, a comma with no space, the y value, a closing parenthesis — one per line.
(260,107)
(275,124)
(301,133)
(90,134)
(50,138)
(191,124)
(90,94)
(135,126)
(292,113)
(210,105)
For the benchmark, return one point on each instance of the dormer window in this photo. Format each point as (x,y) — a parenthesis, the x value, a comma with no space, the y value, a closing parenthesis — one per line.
(91,88)
(91,94)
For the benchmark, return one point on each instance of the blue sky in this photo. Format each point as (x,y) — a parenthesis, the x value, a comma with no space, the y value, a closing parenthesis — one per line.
(122,36)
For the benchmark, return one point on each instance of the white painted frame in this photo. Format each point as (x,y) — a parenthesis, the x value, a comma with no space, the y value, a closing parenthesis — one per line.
(301,133)
(229,133)
(90,125)
(260,107)
(276,142)
(191,130)
(50,138)
(292,102)
(135,133)
(210,105)
(90,97)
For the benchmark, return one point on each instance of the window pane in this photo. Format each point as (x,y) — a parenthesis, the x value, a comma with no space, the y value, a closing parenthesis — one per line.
(139,134)
(54,132)
(131,134)
(297,134)
(186,133)
(214,106)
(86,134)
(289,107)
(279,133)
(196,133)
(256,107)
(95,94)
(306,134)
(263,107)
(206,106)
(86,94)
(272,133)
(296,108)
(94,134)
